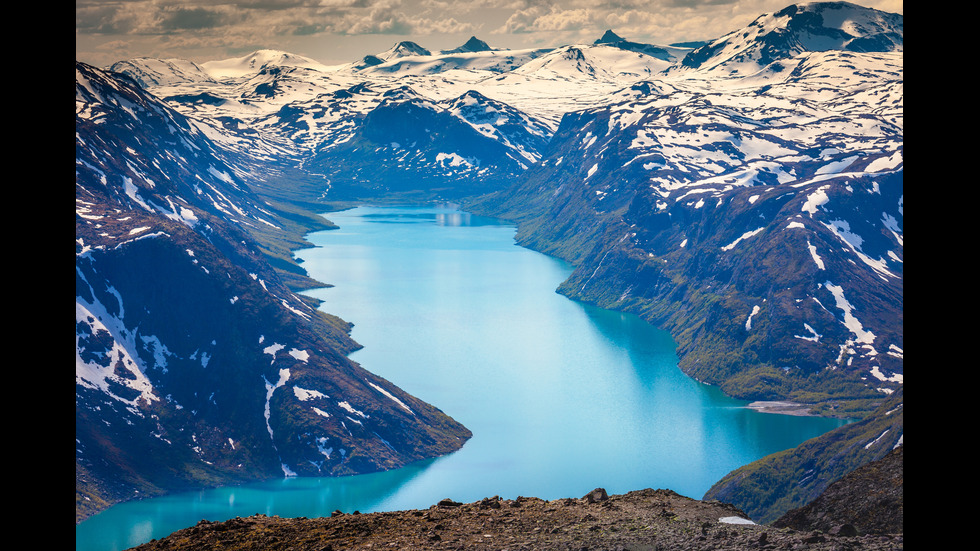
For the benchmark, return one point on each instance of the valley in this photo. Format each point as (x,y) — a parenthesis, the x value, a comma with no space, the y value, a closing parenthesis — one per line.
(745,194)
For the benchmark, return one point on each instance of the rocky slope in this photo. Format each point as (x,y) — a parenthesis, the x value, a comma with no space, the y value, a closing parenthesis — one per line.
(868,500)
(639,520)
(772,486)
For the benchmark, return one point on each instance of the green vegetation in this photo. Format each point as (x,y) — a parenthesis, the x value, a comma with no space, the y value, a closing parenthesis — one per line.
(771,486)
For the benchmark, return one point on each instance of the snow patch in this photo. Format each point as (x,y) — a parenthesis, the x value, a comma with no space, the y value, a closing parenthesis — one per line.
(389,395)
(744,236)
(850,321)
(748,321)
(734,520)
(270,389)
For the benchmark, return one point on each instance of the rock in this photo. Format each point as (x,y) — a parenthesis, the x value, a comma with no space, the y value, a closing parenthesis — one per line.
(449,503)
(844,530)
(597,495)
(634,521)
(490,503)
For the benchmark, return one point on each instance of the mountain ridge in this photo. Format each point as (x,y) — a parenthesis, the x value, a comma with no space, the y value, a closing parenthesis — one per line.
(196,364)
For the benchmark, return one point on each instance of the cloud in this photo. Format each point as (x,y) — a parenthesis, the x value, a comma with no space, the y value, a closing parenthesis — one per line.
(171,27)
(266,18)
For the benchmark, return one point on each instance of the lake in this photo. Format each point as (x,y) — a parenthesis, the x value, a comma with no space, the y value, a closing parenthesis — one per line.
(561,397)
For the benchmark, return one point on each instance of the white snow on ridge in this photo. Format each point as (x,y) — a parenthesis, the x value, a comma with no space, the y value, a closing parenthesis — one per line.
(842,229)
(392,397)
(816,199)
(270,389)
(895,378)
(123,352)
(350,409)
(876,440)
(272,349)
(744,236)
(304,395)
(813,254)
(734,520)
(748,321)
(814,336)
(850,321)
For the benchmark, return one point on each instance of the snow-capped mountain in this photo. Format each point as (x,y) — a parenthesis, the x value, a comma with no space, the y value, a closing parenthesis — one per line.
(759,214)
(403,49)
(195,363)
(746,194)
(154,73)
(254,62)
(798,28)
(474,44)
(406,143)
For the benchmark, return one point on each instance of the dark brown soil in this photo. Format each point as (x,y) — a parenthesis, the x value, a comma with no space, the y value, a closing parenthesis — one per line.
(640,520)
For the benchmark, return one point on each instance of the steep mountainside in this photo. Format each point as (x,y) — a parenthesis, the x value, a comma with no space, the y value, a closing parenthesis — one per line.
(759,220)
(463,146)
(195,364)
(747,194)
(769,488)
(868,500)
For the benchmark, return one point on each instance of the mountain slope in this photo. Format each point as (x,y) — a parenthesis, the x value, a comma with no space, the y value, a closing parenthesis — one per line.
(411,146)
(773,487)
(195,364)
(758,219)
(868,500)
(798,28)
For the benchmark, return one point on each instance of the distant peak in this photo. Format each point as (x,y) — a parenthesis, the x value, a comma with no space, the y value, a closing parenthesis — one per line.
(407,47)
(610,37)
(474,44)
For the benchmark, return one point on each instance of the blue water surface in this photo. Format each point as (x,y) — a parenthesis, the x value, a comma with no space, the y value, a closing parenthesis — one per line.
(561,397)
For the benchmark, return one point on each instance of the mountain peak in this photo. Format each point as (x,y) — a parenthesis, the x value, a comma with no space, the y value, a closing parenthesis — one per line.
(404,48)
(474,44)
(803,27)
(609,37)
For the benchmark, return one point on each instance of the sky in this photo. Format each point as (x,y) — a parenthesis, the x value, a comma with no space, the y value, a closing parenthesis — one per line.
(340,31)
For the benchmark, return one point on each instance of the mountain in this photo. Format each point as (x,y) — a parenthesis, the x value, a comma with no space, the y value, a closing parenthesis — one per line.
(408,144)
(746,195)
(868,500)
(798,28)
(196,364)
(849,476)
(474,44)
(759,219)
(149,72)
(669,53)
(251,63)
(405,48)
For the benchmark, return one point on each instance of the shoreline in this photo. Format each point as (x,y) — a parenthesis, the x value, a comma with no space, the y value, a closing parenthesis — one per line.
(781,407)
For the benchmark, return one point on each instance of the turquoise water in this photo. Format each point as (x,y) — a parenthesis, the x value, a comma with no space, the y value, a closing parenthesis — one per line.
(561,397)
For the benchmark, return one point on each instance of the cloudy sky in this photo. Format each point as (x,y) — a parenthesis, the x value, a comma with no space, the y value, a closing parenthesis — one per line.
(338,31)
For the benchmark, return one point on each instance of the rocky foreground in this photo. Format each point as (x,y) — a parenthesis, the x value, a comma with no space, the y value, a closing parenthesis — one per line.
(640,520)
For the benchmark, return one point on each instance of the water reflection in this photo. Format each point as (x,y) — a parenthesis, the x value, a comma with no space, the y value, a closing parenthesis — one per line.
(129,524)
(440,216)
